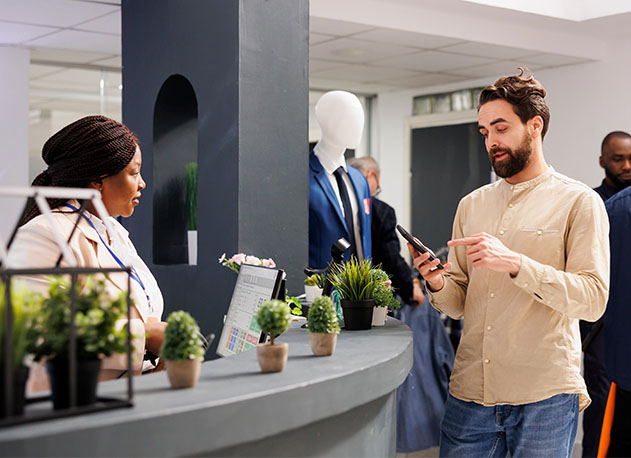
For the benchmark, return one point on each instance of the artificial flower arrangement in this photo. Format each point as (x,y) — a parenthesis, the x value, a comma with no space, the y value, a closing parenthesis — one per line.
(234,263)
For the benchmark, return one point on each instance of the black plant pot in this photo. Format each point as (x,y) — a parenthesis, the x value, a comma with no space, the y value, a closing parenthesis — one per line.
(19,383)
(357,314)
(87,380)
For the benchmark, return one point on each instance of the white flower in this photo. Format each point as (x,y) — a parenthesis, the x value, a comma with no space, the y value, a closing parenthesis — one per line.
(222,258)
(253,260)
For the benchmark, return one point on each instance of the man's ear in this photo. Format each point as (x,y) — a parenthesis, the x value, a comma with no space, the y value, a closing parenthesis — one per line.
(98,185)
(536,125)
(601,161)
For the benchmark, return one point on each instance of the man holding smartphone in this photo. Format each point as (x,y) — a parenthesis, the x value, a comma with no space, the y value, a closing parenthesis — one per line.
(529,257)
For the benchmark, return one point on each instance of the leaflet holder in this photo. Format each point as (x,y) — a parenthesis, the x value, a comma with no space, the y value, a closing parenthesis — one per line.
(39,195)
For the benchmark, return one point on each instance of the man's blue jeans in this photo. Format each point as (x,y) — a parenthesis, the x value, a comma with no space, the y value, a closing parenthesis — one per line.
(541,429)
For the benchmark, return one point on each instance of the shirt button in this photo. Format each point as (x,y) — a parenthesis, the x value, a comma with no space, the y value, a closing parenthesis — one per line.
(488,328)
(510,205)
(525,285)
(492,295)
(486,361)
(539,232)
(502,232)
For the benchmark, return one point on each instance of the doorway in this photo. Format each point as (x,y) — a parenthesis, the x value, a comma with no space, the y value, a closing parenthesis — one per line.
(447,163)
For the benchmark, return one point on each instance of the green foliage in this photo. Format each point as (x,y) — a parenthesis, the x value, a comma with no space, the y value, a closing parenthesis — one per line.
(294,305)
(353,279)
(322,317)
(384,296)
(191,195)
(95,319)
(273,317)
(315,280)
(181,338)
(26,307)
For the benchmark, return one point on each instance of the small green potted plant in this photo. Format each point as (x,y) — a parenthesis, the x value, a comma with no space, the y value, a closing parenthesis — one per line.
(323,326)
(273,318)
(182,350)
(97,336)
(356,286)
(313,287)
(26,306)
(384,297)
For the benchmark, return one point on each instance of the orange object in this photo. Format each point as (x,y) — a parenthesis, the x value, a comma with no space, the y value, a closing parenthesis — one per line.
(605,433)
(152,319)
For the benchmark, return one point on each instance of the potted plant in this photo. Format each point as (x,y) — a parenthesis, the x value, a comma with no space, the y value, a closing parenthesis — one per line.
(273,318)
(313,287)
(356,286)
(384,297)
(97,336)
(25,306)
(191,207)
(182,350)
(322,326)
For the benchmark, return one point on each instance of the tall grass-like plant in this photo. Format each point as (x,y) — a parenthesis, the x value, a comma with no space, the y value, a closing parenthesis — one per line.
(353,280)
(26,306)
(191,195)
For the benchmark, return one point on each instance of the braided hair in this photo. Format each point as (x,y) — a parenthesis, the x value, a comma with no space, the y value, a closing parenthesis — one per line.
(86,151)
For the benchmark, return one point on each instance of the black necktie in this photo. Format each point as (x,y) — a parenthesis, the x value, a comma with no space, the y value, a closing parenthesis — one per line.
(348,209)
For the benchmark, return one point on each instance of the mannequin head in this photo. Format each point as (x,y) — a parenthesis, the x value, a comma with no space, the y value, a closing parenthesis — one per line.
(341,118)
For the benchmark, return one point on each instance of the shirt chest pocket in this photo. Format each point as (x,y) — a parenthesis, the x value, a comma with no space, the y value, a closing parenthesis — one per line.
(542,243)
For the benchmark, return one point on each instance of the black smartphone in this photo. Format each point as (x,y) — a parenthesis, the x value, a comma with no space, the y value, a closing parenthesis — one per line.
(418,245)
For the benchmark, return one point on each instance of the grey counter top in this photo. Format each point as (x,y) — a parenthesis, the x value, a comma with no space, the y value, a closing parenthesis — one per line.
(232,403)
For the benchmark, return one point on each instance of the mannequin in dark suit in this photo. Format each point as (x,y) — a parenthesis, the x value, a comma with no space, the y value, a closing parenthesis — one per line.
(332,182)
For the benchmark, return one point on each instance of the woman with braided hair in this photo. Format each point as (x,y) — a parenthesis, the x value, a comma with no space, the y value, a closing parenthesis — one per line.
(100,153)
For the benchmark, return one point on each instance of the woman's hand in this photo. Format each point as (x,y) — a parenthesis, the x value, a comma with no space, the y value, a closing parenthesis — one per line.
(155,336)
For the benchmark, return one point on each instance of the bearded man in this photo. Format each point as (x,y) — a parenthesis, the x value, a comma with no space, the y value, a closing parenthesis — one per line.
(529,257)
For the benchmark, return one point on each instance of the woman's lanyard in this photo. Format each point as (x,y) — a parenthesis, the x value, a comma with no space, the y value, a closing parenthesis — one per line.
(134,275)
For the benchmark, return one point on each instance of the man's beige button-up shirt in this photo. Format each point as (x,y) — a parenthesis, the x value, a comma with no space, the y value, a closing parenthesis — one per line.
(521,342)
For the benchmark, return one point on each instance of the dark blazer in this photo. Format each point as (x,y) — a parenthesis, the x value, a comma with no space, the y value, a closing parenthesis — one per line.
(326,223)
(386,249)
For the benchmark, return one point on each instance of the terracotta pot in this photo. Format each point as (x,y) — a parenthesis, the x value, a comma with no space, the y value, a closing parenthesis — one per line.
(322,344)
(272,358)
(379,316)
(183,373)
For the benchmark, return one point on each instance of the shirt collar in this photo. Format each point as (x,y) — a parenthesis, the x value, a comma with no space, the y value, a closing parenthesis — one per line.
(532,182)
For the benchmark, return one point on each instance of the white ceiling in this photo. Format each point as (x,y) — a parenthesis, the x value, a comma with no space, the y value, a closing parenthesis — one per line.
(76,42)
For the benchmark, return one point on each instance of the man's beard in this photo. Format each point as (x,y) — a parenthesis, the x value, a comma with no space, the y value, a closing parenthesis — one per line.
(516,160)
(619,183)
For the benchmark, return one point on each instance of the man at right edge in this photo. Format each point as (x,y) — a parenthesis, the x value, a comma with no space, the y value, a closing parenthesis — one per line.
(529,258)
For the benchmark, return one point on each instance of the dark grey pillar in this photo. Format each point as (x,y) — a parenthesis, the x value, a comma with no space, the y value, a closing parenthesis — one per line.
(247,115)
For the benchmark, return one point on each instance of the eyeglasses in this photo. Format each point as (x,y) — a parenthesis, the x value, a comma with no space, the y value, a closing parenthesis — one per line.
(378,190)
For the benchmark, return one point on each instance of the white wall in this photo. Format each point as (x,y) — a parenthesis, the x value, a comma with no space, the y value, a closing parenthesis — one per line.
(14,73)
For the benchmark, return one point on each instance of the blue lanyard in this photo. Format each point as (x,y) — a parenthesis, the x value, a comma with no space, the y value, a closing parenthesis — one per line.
(134,275)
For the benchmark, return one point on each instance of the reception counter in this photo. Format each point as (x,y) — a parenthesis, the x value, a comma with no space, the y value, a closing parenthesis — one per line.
(343,405)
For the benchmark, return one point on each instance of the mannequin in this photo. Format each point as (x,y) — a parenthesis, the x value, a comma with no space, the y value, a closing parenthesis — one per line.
(341,119)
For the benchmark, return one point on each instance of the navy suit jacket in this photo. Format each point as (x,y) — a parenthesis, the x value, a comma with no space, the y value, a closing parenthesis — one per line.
(326,223)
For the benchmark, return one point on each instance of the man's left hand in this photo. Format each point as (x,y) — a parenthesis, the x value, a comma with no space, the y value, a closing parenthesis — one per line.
(486,251)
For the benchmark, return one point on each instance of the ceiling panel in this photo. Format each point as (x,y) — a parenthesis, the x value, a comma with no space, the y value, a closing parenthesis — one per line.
(358,51)
(37,71)
(333,27)
(433,61)
(363,73)
(400,37)
(13,33)
(63,55)
(553,60)
(488,50)
(315,38)
(58,13)
(317,65)
(494,69)
(80,41)
(110,23)
(425,80)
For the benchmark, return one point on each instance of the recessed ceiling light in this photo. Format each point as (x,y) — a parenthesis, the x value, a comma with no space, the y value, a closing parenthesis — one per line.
(350,52)
(120,87)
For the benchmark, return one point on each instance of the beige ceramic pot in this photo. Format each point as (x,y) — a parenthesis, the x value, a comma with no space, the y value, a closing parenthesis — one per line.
(272,358)
(322,344)
(183,373)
